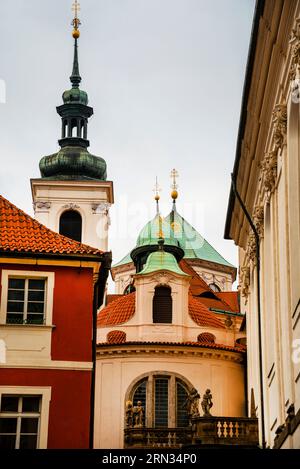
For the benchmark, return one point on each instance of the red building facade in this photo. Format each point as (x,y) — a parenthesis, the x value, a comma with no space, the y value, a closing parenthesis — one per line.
(50,289)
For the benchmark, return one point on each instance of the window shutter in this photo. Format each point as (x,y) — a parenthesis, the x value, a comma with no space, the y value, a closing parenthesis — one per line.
(162,305)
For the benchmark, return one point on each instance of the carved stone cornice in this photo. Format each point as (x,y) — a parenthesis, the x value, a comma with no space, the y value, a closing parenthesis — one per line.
(41,206)
(251,248)
(101,209)
(245,282)
(279,121)
(295,51)
(269,171)
(71,206)
(258,217)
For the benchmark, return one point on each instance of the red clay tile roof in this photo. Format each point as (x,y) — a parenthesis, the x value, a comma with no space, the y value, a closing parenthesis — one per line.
(122,309)
(116,337)
(118,311)
(201,314)
(231,298)
(21,233)
(197,284)
(189,344)
(111,297)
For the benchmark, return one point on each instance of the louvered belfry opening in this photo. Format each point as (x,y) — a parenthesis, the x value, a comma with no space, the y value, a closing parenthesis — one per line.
(162,305)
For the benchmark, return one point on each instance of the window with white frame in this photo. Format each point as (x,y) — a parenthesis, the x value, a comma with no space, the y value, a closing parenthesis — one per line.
(20,421)
(25,301)
(26,297)
(163,398)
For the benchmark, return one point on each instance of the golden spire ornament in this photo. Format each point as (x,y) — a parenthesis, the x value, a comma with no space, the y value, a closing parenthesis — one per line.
(76,21)
(174,186)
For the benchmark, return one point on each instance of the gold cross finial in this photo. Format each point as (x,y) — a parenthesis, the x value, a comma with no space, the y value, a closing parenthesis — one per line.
(156,190)
(174,186)
(76,21)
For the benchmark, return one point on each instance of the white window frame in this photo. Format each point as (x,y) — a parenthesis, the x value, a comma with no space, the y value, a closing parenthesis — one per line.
(25,274)
(45,394)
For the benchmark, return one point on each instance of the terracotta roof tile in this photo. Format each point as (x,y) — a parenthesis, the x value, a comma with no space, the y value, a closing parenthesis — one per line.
(231,298)
(201,314)
(122,309)
(118,311)
(186,343)
(20,232)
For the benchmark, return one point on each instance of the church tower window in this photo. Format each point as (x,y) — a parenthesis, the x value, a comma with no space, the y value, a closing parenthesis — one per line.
(162,305)
(70,225)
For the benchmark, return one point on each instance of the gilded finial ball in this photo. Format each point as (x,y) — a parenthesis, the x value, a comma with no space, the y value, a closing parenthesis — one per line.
(76,33)
(157,197)
(174,194)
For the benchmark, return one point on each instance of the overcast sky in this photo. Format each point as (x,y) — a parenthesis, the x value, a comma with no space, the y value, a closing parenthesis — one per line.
(165,80)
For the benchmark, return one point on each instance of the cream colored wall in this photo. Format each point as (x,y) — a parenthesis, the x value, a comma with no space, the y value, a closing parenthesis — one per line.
(279,228)
(123,277)
(91,199)
(116,373)
(183,328)
(222,279)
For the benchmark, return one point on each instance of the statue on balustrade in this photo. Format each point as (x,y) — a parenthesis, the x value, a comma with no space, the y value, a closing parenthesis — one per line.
(206,403)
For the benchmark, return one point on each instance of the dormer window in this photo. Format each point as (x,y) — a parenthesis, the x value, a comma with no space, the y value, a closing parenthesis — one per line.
(162,305)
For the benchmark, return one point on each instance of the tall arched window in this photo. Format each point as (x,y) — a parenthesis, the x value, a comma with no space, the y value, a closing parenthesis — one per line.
(70,224)
(163,397)
(162,305)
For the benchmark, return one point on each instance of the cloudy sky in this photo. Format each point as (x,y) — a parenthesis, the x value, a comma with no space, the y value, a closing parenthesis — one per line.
(165,80)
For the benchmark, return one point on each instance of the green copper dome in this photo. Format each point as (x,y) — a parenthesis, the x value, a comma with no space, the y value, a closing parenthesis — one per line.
(72,162)
(161,260)
(155,229)
(193,244)
(75,95)
(178,232)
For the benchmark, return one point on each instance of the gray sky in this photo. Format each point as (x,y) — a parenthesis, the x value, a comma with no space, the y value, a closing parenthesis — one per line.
(165,80)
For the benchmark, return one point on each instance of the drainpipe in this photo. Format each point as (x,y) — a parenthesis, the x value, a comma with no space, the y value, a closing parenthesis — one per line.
(257,252)
(99,290)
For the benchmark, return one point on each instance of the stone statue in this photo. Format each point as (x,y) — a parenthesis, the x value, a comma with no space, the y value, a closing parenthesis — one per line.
(129,414)
(138,415)
(192,403)
(206,403)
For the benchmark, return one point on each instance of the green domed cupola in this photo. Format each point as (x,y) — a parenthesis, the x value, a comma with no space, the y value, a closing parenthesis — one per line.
(73,160)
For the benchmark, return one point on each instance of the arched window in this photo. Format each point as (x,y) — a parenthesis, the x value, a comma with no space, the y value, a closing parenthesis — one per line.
(163,398)
(214,287)
(162,305)
(70,224)
(129,289)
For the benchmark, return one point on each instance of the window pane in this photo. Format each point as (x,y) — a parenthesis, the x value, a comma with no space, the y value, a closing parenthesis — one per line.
(36,295)
(7,441)
(9,403)
(35,307)
(181,414)
(8,425)
(31,404)
(15,306)
(36,284)
(13,318)
(35,319)
(29,425)
(16,295)
(140,395)
(18,283)
(161,402)
(28,441)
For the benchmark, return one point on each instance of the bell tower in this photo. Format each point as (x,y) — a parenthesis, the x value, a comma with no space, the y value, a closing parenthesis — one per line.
(73,196)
